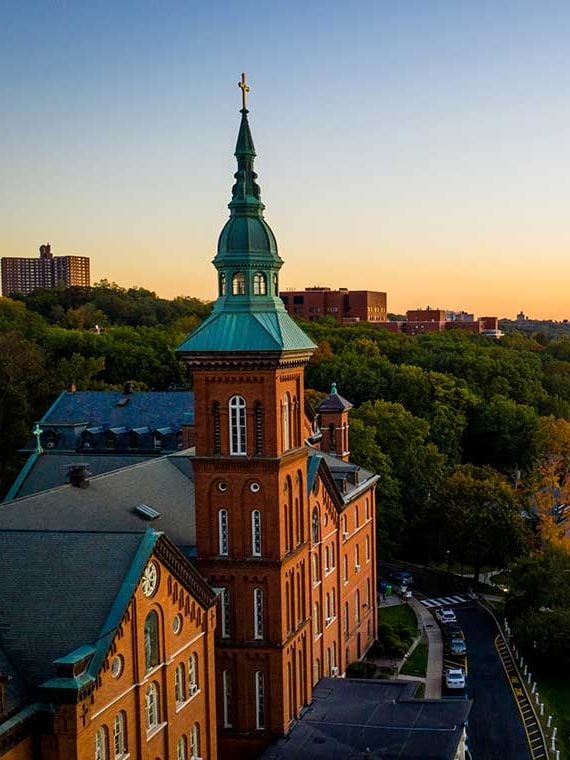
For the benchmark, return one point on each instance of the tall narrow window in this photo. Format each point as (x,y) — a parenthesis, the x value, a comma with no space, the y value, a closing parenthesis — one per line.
(258,613)
(193,674)
(345,620)
(316,526)
(345,568)
(256,533)
(258,413)
(288,606)
(275,286)
(367,509)
(368,595)
(237,426)
(357,607)
(327,559)
(195,742)
(226,613)
(151,705)
(333,562)
(357,558)
(259,699)
(317,618)
(238,284)
(227,698)
(102,744)
(151,641)
(356,517)
(223,532)
(181,747)
(120,734)
(259,284)
(223,286)
(328,664)
(367,548)
(180,684)
(286,422)
(216,427)
(315,567)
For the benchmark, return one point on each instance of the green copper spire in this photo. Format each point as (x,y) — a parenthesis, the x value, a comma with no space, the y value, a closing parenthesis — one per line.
(248,314)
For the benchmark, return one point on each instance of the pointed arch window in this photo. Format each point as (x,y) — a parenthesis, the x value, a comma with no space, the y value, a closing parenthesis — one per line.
(316,526)
(223,542)
(259,284)
(151,657)
(223,284)
(120,734)
(259,700)
(237,425)
(256,533)
(238,284)
(102,744)
(258,613)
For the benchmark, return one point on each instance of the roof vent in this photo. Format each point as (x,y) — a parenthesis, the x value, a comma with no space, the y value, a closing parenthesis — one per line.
(146,512)
(78,475)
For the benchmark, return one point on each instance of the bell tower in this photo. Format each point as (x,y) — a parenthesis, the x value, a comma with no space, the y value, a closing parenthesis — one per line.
(252,506)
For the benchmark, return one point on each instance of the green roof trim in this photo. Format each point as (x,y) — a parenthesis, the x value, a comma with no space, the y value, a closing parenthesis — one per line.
(22,475)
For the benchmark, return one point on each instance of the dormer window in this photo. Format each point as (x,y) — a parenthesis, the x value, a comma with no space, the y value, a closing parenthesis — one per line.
(157,441)
(223,284)
(259,284)
(51,439)
(238,284)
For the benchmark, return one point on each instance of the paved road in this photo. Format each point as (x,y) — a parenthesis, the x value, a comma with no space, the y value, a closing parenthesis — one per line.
(495,728)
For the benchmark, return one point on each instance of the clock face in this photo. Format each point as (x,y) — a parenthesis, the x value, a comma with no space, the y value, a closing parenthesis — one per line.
(150,579)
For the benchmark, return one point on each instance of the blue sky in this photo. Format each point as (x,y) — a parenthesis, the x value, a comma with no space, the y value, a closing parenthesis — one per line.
(416,147)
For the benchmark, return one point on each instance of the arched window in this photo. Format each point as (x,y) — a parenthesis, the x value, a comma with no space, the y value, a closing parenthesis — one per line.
(151,707)
(259,284)
(288,606)
(334,654)
(345,620)
(223,284)
(226,613)
(315,567)
(195,741)
(345,568)
(356,517)
(223,542)
(367,509)
(120,734)
(357,558)
(256,533)
(333,564)
(258,613)
(237,425)
(286,526)
(181,749)
(180,684)
(328,615)
(193,675)
(317,618)
(259,699)
(286,422)
(328,670)
(227,698)
(357,607)
(151,652)
(367,548)
(327,559)
(238,284)
(316,526)
(344,524)
(368,593)
(102,744)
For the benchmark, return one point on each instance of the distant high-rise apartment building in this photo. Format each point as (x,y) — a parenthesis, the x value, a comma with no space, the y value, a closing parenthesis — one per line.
(343,304)
(20,275)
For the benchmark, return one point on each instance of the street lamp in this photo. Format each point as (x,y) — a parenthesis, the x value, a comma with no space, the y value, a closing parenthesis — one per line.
(447,553)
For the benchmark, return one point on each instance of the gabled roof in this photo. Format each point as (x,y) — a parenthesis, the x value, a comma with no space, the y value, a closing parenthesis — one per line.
(164,483)
(345,480)
(97,408)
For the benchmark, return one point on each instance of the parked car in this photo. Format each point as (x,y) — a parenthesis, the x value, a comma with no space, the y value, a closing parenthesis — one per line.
(403,592)
(457,646)
(455,678)
(453,631)
(445,616)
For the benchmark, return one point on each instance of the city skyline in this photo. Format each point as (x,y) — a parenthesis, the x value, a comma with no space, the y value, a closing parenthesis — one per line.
(421,151)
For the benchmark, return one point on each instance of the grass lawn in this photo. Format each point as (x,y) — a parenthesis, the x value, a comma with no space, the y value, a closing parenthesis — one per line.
(398,614)
(555,691)
(416,664)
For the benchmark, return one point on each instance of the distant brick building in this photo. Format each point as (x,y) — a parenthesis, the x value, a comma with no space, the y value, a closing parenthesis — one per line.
(342,304)
(421,321)
(23,275)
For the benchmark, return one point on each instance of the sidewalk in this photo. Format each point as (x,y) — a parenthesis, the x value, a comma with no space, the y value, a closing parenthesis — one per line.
(435,649)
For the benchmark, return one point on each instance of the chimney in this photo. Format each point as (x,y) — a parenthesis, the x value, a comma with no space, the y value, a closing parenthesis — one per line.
(71,388)
(78,475)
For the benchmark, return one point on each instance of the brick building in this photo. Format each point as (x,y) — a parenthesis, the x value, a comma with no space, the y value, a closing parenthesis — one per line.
(23,275)
(421,321)
(342,304)
(277,521)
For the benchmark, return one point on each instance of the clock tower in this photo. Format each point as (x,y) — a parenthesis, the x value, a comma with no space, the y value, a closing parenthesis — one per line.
(253,519)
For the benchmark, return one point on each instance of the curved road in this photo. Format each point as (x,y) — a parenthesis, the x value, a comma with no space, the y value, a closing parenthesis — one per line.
(496,730)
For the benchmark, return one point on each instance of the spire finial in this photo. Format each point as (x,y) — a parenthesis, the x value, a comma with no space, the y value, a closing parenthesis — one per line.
(333,389)
(37,432)
(244,87)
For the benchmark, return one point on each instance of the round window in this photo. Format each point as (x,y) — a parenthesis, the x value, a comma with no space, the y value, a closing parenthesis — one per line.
(254,487)
(117,666)
(177,624)
(222,486)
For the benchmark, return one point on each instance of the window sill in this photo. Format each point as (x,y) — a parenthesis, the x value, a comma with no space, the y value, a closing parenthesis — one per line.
(331,621)
(155,730)
(181,705)
(318,636)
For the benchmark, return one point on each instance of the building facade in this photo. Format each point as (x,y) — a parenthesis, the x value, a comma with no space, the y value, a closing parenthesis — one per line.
(23,275)
(343,304)
(284,531)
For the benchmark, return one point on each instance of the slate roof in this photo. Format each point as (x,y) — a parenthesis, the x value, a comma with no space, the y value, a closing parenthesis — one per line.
(377,720)
(349,479)
(57,591)
(334,402)
(164,483)
(15,693)
(151,408)
(45,471)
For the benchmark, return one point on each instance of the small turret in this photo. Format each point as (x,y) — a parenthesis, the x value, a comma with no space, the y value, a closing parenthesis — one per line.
(333,412)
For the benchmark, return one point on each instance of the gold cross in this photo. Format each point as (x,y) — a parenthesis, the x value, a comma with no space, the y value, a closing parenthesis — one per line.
(244,87)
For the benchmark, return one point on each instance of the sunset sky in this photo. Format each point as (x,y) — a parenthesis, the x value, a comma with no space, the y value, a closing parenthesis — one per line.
(421,147)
